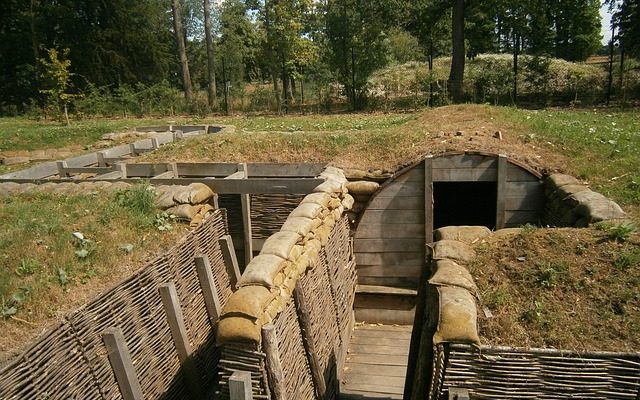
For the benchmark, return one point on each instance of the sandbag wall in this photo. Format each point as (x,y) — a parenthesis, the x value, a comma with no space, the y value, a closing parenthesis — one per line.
(446,310)
(300,290)
(570,203)
(71,362)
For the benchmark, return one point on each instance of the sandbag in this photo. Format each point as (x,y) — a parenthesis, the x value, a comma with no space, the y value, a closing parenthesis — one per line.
(457,317)
(182,195)
(301,226)
(238,329)
(307,210)
(330,186)
(199,193)
(323,232)
(448,273)
(280,244)
(466,234)
(248,302)
(335,203)
(184,211)
(348,202)
(262,270)
(203,211)
(599,209)
(318,198)
(164,196)
(556,181)
(362,187)
(451,249)
(333,171)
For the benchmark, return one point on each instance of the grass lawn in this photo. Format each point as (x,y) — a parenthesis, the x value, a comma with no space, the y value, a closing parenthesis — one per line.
(46,271)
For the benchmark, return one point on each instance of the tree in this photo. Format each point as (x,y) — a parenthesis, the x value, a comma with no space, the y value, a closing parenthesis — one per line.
(182,52)
(627,21)
(57,77)
(211,66)
(456,76)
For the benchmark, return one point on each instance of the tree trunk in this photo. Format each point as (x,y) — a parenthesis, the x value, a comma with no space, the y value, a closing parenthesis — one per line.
(182,51)
(456,75)
(211,54)
(271,56)
(516,45)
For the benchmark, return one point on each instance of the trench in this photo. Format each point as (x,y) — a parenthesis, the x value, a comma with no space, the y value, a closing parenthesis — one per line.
(464,203)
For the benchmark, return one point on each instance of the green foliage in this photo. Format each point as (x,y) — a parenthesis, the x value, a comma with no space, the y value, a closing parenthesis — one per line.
(490,79)
(57,77)
(622,232)
(139,198)
(404,47)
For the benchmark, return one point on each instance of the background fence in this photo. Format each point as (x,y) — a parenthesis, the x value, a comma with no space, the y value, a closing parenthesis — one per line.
(71,361)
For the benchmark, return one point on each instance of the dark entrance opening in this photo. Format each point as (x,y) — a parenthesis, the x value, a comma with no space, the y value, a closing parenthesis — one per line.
(464,203)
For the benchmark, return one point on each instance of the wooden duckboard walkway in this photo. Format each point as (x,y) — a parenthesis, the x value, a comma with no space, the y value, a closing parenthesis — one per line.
(376,363)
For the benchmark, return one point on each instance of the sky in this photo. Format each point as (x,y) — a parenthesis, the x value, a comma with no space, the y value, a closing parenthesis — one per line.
(606,24)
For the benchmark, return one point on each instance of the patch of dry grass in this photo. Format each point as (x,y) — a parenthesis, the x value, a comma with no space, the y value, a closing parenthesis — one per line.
(565,288)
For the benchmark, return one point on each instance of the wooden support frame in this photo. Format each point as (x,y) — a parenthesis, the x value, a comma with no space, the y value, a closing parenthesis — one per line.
(209,289)
(302,308)
(275,373)
(62,169)
(240,386)
(175,319)
(121,364)
(245,199)
(230,260)
(502,190)
(428,198)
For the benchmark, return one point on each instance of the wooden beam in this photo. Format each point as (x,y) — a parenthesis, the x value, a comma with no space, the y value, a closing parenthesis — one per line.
(87,170)
(236,175)
(209,290)
(277,384)
(39,171)
(108,176)
(502,191)
(230,260)
(175,318)
(428,198)
(62,169)
(122,168)
(240,386)
(121,364)
(245,199)
(164,175)
(302,307)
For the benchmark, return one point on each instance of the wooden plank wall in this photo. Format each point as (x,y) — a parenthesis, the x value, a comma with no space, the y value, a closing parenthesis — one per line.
(390,237)
(389,241)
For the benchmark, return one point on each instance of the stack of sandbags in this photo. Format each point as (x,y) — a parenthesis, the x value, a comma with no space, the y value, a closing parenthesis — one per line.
(361,192)
(191,203)
(570,203)
(267,284)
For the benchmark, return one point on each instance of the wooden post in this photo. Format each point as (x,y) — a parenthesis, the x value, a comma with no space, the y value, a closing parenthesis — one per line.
(240,386)
(122,365)
(155,144)
(428,199)
(502,185)
(101,158)
(246,219)
(274,366)
(62,165)
(122,167)
(230,260)
(302,308)
(178,330)
(209,290)
(132,149)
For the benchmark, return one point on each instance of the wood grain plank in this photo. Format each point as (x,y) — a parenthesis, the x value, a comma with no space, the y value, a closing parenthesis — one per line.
(391,259)
(378,370)
(428,199)
(515,173)
(395,271)
(377,359)
(463,161)
(397,189)
(502,191)
(514,189)
(396,231)
(367,349)
(396,203)
(374,381)
(392,217)
(530,201)
(415,174)
(388,245)
(402,343)
(396,329)
(480,174)
(521,217)
(395,281)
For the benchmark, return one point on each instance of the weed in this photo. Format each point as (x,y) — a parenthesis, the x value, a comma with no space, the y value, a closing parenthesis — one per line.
(581,248)
(621,232)
(550,274)
(496,297)
(535,313)
(163,221)
(28,266)
(139,198)
(628,259)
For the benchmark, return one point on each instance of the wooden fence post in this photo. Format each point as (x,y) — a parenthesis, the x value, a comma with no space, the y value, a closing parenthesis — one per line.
(302,307)
(122,365)
(245,199)
(428,199)
(62,165)
(240,386)
(230,260)
(501,184)
(209,290)
(274,366)
(178,330)
(122,167)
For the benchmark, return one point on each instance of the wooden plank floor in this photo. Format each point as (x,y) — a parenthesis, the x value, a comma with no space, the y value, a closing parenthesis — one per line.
(376,362)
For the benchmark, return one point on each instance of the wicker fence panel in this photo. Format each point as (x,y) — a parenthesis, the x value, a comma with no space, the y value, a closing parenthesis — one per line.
(269,211)
(342,271)
(325,333)
(71,361)
(243,357)
(501,372)
(295,368)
